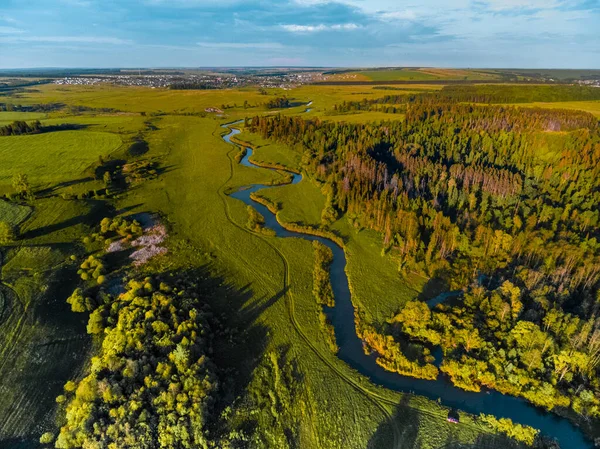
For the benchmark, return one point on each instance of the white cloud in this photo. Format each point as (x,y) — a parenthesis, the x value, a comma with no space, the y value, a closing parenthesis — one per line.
(504,5)
(390,16)
(293,28)
(80,3)
(67,39)
(7,19)
(10,30)
(262,45)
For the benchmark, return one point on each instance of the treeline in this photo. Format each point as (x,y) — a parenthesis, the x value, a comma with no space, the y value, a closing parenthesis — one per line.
(18,128)
(368,105)
(493,93)
(321,283)
(278,103)
(493,119)
(47,107)
(322,290)
(526,434)
(488,118)
(192,85)
(458,191)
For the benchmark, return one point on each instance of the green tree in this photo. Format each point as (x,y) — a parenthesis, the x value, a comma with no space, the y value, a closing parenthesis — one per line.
(107,179)
(7,233)
(20,183)
(77,301)
(96,322)
(47,438)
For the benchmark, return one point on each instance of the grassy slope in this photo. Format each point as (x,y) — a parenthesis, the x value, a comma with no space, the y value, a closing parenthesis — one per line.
(9,117)
(53,156)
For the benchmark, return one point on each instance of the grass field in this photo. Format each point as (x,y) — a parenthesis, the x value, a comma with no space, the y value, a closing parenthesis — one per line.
(588,106)
(271,152)
(267,280)
(13,214)
(9,117)
(54,156)
(410,74)
(400,75)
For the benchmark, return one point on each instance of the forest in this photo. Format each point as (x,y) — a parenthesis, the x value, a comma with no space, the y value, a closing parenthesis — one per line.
(499,202)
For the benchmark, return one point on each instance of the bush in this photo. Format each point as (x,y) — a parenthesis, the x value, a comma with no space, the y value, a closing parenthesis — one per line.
(47,438)
(77,300)
(70,386)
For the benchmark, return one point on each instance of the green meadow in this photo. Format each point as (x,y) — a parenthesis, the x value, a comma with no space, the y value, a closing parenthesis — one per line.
(55,156)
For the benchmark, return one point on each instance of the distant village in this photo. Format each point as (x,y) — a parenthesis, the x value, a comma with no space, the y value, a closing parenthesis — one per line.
(593,83)
(197,81)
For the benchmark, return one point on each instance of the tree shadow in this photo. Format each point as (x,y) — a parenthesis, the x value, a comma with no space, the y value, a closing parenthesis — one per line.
(20,443)
(404,418)
(432,288)
(54,353)
(64,127)
(98,210)
(407,420)
(50,190)
(138,148)
(239,341)
(490,441)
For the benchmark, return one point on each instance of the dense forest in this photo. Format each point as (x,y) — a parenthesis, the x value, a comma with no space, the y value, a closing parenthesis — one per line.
(499,201)
(480,94)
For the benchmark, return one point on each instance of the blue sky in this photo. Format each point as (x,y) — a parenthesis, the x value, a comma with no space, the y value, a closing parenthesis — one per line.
(357,33)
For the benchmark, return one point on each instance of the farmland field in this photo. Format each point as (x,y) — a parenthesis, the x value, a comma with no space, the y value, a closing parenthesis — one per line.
(416,75)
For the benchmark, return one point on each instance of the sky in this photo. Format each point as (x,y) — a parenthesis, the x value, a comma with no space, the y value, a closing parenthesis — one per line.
(324,33)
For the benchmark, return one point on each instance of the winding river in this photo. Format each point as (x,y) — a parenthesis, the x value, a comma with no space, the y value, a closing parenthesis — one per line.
(351,351)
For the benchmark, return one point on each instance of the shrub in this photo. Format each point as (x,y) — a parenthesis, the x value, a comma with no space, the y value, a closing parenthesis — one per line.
(77,301)
(47,438)
(70,386)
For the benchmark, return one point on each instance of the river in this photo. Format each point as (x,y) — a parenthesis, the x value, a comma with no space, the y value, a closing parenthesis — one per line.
(351,350)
